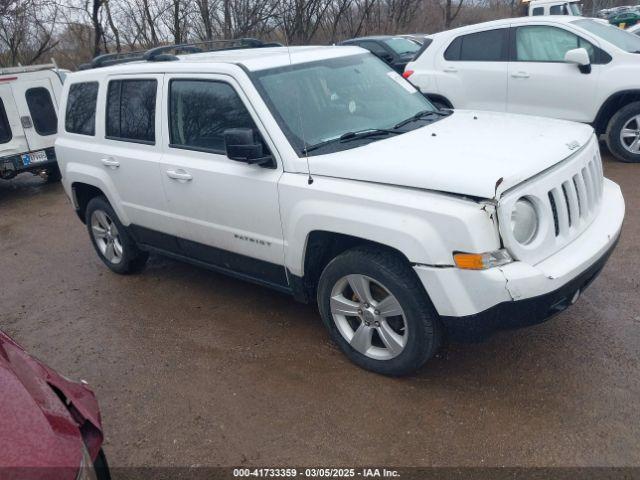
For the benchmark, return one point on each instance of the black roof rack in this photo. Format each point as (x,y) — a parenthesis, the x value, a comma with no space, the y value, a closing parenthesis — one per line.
(108,59)
(159,54)
(162,54)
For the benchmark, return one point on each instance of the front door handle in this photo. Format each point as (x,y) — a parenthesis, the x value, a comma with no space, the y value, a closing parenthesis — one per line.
(451,70)
(520,75)
(179,174)
(110,162)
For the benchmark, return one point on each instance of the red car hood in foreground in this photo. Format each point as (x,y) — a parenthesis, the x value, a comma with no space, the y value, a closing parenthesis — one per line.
(40,436)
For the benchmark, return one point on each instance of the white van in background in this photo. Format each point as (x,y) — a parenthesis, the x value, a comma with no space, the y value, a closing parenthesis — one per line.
(28,120)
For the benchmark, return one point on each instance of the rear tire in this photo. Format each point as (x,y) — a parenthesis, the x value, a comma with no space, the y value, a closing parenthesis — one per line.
(111,240)
(623,133)
(394,329)
(54,175)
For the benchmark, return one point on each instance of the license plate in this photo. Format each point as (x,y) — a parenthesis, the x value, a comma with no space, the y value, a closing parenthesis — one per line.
(34,157)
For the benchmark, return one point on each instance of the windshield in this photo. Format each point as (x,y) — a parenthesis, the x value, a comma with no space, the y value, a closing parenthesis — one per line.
(621,39)
(336,96)
(402,45)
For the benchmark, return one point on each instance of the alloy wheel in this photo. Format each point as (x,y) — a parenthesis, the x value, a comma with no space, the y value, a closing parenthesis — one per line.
(630,135)
(369,317)
(107,237)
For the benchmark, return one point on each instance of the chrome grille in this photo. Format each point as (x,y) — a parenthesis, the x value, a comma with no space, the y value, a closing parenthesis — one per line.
(567,198)
(575,200)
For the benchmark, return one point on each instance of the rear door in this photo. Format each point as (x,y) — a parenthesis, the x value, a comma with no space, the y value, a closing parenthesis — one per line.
(130,151)
(12,137)
(38,110)
(473,70)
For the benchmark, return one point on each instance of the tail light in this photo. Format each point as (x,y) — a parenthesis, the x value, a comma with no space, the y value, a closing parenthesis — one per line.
(407,73)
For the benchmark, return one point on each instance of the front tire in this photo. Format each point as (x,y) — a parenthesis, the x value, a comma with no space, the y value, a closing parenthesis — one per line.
(378,312)
(111,240)
(623,133)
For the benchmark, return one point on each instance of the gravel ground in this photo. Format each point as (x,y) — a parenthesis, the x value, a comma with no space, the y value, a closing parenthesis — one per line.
(194,368)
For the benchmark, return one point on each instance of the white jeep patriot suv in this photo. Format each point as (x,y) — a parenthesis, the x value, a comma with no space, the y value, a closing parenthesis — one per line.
(320,172)
(565,67)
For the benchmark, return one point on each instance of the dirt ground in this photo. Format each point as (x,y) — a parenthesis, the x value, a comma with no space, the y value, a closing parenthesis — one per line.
(194,368)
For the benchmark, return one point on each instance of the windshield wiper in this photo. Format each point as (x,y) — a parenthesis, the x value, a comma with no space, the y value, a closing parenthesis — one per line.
(349,136)
(422,115)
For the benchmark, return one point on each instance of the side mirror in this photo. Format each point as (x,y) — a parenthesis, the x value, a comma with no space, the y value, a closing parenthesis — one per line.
(580,57)
(244,145)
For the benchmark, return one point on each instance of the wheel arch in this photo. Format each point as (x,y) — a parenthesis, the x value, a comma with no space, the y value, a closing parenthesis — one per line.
(611,105)
(321,247)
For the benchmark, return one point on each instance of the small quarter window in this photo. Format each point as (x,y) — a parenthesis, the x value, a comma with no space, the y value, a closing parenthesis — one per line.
(43,113)
(80,116)
(131,110)
(5,128)
(201,110)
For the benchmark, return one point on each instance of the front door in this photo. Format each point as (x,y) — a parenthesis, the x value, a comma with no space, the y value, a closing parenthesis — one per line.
(38,111)
(541,83)
(227,212)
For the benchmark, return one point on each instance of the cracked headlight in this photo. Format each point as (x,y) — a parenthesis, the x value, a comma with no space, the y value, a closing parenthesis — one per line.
(524,221)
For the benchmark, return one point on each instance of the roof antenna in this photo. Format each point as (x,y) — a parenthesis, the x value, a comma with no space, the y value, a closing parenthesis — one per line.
(304,138)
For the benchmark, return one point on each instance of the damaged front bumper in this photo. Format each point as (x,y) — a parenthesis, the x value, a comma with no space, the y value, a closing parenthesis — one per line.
(473,304)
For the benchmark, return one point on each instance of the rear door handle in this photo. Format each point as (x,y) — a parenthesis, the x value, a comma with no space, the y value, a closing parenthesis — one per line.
(450,70)
(520,75)
(110,162)
(179,174)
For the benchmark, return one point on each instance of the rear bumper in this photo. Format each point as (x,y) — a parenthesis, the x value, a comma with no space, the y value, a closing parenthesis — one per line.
(523,313)
(14,164)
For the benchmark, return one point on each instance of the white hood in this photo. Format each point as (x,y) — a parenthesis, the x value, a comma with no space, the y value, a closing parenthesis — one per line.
(465,153)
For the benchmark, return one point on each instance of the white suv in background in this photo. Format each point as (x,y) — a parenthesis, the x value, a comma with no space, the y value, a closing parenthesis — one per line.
(321,173)
(563,67)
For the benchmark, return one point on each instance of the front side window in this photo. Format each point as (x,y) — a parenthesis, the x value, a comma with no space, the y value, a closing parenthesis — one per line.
(558,10)
(624,40)
(374,48)
(43,113)
(489,46)
(201,110)
(131,110)
(5,128)
(80,116)
(540,43)
(321,101)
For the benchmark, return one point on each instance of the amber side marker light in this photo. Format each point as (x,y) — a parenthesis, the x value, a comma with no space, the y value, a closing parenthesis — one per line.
(481,261)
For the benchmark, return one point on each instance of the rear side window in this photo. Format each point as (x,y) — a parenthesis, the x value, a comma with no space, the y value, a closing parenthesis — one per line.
(489,46)
(5,128)
(43,113)
(131,110)
(80,116)
(537,12)
(201,110)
